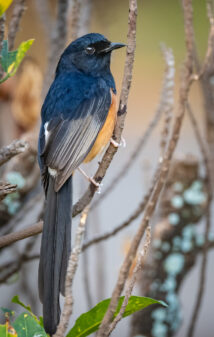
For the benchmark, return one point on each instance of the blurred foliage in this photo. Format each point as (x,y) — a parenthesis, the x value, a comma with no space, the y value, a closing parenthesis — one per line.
(4,4)
(10,60)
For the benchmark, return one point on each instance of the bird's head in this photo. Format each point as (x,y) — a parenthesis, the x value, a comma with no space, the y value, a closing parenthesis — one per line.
(89,54)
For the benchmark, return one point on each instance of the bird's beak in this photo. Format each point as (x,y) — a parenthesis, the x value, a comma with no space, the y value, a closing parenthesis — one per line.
(111,47)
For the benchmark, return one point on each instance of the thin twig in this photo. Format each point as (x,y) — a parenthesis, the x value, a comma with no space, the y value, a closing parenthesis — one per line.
(71,270)
(140,263)
(43,9)
(167,98)
(136,213)
(75,7)
(9,151)
(203,270)
(183,96)
(5,189)
(32,230)
(58,42)
(209,53)
(15,266)
(18,10)
(20,216)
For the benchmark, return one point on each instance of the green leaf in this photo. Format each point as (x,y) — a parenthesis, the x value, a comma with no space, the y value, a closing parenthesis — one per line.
(16,300)
(4,4)
(21,51)
(5,331)
(89,322)
(7,57)
(10,60)
(26,326)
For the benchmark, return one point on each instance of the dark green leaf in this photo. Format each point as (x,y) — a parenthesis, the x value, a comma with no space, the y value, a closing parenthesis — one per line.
(89,322)
(26,326)
(7,57)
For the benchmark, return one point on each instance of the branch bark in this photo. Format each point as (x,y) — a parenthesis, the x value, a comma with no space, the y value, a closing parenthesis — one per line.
(18,10)
(9,151)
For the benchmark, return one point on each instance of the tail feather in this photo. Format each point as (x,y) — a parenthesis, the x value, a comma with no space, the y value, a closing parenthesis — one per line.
(55,251)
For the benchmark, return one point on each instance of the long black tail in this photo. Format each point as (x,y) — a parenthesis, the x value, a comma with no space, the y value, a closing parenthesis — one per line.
(55,251)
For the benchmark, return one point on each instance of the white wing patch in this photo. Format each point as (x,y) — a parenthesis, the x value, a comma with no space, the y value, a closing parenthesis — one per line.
(47,133)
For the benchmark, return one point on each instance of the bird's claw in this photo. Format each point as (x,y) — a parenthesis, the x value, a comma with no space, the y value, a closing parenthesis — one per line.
(96,184)
(116,144)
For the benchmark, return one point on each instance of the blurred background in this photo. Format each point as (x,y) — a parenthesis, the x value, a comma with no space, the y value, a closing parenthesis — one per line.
(20,101)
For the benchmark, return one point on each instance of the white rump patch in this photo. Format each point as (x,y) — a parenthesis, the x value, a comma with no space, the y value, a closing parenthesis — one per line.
(52,172)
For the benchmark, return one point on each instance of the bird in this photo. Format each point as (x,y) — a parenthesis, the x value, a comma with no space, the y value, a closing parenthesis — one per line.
(78,117)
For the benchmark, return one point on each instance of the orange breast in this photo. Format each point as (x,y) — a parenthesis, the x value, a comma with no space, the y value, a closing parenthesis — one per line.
(106,132)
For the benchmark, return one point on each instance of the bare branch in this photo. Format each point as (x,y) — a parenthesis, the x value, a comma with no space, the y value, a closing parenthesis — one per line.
(13,267)
(43,9)
(18,10)
(72,267)
(209,53)
(5,189)
(167,94)
(32,230)
(125,224)
(9,151)
(74,13)
(79,18)
(58,42)
(140,263)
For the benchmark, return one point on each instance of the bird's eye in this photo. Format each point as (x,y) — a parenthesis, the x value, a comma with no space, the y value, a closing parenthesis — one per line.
(90,50)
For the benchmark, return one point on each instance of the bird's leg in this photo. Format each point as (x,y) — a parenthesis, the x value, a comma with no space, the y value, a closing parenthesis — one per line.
(91,180)
(116,144)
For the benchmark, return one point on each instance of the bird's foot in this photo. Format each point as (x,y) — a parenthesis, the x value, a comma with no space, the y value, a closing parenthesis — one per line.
(116,144)
(91,180)
(96,184)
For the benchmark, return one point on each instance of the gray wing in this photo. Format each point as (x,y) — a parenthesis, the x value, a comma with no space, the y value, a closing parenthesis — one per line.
(69,140)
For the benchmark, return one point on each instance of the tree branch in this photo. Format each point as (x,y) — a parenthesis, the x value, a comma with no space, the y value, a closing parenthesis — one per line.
(5,189)
(9,151)
(18,10)
(6,240)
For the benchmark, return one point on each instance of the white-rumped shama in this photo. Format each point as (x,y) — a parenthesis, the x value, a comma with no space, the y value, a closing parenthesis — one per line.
(78,118)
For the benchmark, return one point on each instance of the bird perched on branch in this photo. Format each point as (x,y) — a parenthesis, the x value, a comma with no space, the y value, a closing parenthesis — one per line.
(78,119)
